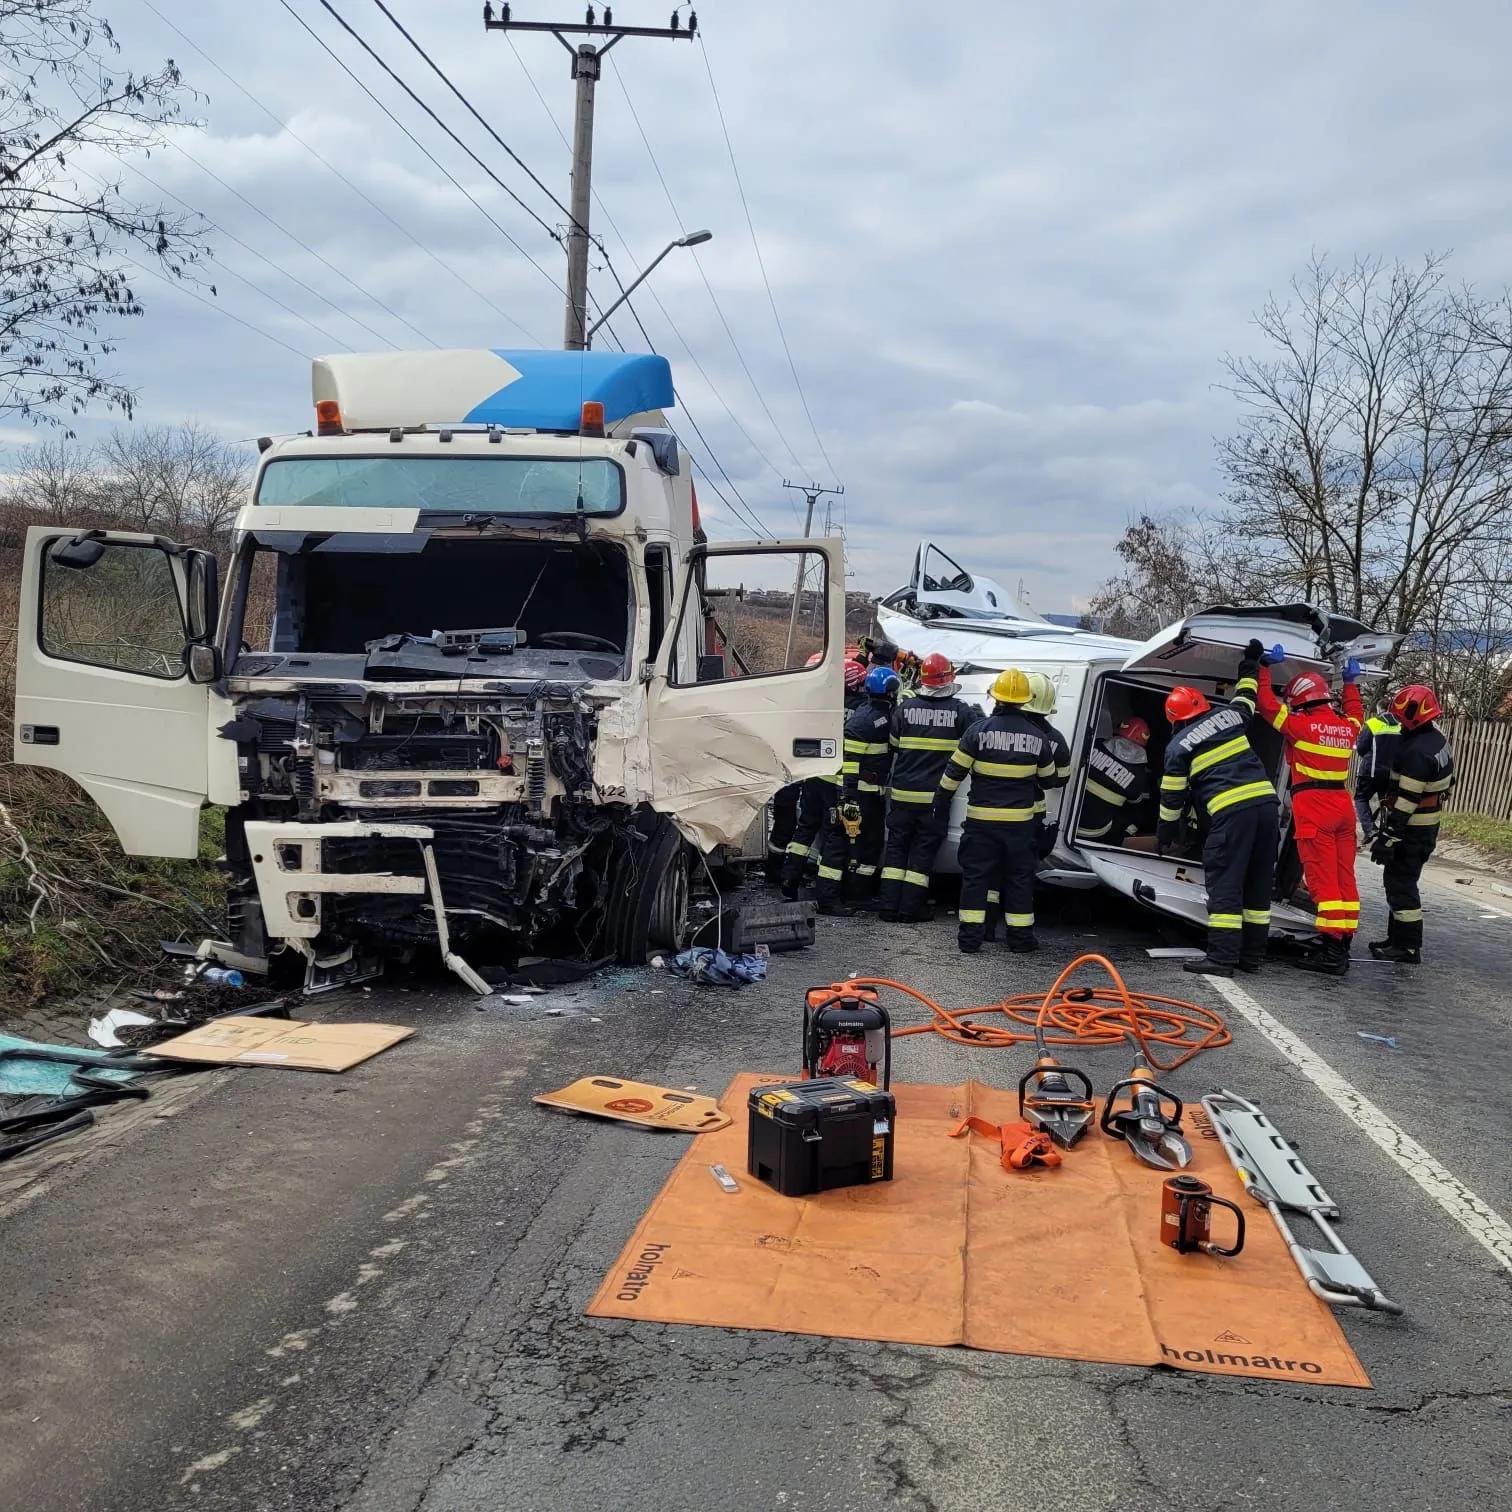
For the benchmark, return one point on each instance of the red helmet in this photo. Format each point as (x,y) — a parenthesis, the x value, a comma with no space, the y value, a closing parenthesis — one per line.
(1135,729)
(1416,705)
(855,675)
(1185,703)
(1306,688)
(937,671)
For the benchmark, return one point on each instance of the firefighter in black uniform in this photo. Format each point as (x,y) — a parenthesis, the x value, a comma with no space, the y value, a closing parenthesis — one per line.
(1011,763)
(1118,782)
(925,730)
(816,796)
(1038,709)
(1422,773)
(850,841)
(1210,766)
(1376,749)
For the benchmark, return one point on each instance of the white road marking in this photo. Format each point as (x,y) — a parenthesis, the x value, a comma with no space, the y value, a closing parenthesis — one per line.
(207,1463)
(1473,1214)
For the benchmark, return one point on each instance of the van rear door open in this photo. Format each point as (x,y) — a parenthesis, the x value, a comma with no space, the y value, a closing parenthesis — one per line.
(1203,651)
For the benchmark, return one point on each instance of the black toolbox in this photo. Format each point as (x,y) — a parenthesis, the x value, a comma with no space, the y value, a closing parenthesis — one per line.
(813,1136)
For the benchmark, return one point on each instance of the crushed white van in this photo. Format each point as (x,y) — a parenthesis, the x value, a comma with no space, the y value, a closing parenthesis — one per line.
(468,676)
(1100,681)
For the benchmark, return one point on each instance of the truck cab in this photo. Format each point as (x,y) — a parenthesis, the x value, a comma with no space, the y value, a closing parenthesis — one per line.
(470,677)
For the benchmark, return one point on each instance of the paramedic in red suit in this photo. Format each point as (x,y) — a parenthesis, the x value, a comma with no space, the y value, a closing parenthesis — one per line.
(1319,744)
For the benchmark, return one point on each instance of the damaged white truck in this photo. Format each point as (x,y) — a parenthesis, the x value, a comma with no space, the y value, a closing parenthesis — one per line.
(471,678)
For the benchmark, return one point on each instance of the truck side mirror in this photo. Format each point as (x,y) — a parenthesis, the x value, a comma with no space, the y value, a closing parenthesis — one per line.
(202,578)
(203,663)
(82,551)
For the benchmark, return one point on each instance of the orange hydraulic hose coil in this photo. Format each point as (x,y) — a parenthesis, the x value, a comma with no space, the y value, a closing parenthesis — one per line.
(1081,1016)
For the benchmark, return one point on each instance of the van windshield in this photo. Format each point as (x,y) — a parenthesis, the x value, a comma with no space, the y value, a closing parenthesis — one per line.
(467,485)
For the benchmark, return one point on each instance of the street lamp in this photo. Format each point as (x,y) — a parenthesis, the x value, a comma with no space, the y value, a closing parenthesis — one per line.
(692,239)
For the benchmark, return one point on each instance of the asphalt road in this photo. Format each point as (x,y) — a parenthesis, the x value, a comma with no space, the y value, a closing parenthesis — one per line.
(366,1291)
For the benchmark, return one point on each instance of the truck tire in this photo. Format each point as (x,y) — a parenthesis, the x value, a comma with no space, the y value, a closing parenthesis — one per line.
(648,905)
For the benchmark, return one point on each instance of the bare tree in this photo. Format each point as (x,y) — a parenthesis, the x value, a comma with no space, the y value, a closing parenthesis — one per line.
(182,480)
(1173,566)
(67,235)
(1370,471)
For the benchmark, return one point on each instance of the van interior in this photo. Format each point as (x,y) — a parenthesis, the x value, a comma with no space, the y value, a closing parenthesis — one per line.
(1121,697)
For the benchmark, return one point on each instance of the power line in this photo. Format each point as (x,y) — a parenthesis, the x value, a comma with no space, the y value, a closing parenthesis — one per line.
(719,309)
(263,257)
(333,169)
(184,288)
(750,514)
(363,43)
(431,157)
(760,261)
(468,106)
(299,242)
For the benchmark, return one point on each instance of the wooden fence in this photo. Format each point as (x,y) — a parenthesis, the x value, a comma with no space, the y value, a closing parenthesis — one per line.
(1482,765)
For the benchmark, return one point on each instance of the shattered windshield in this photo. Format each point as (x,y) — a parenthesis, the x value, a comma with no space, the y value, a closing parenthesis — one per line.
(469,485)
(525,606)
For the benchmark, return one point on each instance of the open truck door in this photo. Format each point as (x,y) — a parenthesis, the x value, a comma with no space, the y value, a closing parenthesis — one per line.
(1203,651)
(728,730)
(115,656)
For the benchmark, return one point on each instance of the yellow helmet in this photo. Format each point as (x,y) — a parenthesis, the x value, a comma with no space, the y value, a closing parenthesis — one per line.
(1010,686)
(1041,694)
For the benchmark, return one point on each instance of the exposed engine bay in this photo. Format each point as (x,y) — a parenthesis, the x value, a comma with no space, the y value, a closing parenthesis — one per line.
(377,777)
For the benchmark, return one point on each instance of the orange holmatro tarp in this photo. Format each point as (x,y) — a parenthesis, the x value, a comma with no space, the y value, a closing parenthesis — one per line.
(955,1250)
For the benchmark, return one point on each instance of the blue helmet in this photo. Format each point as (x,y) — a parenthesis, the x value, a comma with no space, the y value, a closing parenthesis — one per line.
(881,682)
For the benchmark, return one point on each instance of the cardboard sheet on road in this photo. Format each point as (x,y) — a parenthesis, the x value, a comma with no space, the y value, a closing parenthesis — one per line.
(291,1044)
(954,1250)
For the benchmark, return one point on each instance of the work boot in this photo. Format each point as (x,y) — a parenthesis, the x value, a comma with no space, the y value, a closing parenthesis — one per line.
(1022,944)
(835,910)
(1386,950)
(889,916)
(1330,958)
(1208,967)
(918,916)
(790,891)
(969,947)
(1253,967)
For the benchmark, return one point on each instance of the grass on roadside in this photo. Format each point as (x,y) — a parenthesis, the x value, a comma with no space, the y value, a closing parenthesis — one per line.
(88,916)
(1493,836)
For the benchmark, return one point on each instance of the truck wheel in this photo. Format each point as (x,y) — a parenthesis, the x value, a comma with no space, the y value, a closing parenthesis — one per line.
(649,900)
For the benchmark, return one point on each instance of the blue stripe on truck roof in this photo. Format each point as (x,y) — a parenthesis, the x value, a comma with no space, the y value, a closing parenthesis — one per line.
(552,387)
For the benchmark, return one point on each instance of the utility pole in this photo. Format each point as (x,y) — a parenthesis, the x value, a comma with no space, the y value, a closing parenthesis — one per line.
(813,493)
(587,61)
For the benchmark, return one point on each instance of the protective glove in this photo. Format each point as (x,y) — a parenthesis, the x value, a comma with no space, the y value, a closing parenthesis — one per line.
(939,808)
(1381,846)
(1254,651)
(850,819)
(1277,653)
(1352,670)
(1047,838)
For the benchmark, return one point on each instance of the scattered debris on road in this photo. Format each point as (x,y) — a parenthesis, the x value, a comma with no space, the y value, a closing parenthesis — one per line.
(636,1102)
(711,967)
(292,1044)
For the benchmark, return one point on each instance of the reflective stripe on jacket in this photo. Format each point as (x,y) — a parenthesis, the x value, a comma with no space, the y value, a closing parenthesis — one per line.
(1319,740)
(1011,762)
(1421,779)
(1209,763)
(866,752)
(1114,789)
(925,731)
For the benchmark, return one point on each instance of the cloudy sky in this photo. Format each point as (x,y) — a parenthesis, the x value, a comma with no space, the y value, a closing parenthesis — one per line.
(1009,242)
